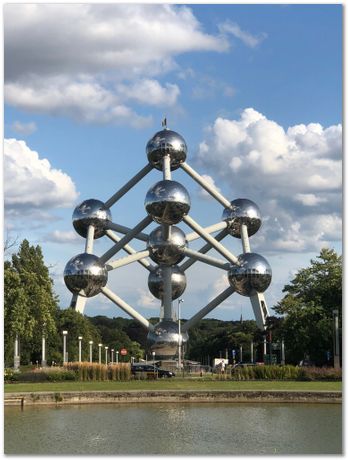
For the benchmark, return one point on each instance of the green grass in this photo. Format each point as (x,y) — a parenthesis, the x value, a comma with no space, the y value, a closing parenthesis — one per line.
(173,384)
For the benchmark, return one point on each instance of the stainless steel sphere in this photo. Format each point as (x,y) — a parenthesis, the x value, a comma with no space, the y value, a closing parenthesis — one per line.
(252,276)
(85,275)
(164,339)
(167,251)
(163,143)
(178,280)
(167,202)
(91,212)
(243,211)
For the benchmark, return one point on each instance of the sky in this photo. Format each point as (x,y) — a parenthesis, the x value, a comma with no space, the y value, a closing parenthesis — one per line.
(255,90)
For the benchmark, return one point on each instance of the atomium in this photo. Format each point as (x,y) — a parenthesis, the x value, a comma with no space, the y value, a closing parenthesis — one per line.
(85,275)
(166,255)
(242,211)
(167,202)
(167,250)
(91,212)
(165,338)
(156,282)
(252,276)
(166,142)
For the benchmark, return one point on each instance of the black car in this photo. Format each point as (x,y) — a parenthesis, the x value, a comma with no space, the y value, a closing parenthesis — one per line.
(151,371)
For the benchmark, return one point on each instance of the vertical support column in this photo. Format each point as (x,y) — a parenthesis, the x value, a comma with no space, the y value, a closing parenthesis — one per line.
(252,352)
(112,356)
(180,336)
(16,358)
(245,238)
(106,355)
(89,239)
(80,349)
(166,168)
(100,347)
(90,351)
(167,292)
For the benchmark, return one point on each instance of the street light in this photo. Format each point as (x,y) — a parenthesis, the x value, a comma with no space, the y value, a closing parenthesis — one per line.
(180,338)
(106,355)
(153,360)
(336,340)
(241,354)
(117,352)
(90,350)
(252,352)
(65,333)
(100,347)
(80,348)
(43,358)
(112,356)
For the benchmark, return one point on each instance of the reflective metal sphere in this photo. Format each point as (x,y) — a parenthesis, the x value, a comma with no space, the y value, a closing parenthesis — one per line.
(167,251)
(163,143)
(178,279)
(85,275)
(253,275)
(243,211)
(167,202)
(164,339)
(91,212)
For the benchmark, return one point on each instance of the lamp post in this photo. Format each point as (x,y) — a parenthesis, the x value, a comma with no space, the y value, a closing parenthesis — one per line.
(106,355)
(283,352)
(43,356)
(100,347)
(241,354)
(252,352)
(65,333)
(336,340)
(180,338)
(153,361)
(80,348)
(112,356)
(117,352)
(90,351)
(264,349)
(16,358)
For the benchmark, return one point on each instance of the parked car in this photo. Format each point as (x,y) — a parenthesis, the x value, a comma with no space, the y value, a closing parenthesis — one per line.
(151,371)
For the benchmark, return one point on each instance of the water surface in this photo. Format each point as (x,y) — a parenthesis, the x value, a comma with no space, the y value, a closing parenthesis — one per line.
(169,429)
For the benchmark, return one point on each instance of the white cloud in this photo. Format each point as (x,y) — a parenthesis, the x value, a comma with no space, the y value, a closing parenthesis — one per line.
(294,175)
(147,300)
(202,192)
(31,183)
(73,59)
(58,236)
(246,37)
(25,129)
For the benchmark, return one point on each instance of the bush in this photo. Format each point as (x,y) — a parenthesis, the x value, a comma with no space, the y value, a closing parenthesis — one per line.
(86,371)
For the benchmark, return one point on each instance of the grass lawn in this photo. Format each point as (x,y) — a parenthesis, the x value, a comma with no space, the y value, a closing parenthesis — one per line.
(173,384)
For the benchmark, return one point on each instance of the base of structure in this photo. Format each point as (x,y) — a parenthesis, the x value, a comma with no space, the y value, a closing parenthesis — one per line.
(43,363)
(16,362)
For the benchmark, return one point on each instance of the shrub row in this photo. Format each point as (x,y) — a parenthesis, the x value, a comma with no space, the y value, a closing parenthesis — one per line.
(285,373)
(94,371)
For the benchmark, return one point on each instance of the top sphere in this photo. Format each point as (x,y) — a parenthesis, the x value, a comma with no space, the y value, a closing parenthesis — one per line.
(91,212)
(166,142)
(243,211)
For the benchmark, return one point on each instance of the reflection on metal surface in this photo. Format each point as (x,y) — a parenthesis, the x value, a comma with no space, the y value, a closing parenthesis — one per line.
(156,282)
(164,339)
(167,251)
(253,275)
(242,211)
(167,202)
(166,142)
(91,212)
(85,275)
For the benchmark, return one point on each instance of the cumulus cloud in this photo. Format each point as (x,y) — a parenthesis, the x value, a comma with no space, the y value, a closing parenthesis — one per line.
(25,129)
(294,175)
(246,37)
(202,192)
(58,236)
(73,59)
(31,183)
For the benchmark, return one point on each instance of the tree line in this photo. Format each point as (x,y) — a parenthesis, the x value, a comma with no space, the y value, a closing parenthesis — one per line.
(303,319)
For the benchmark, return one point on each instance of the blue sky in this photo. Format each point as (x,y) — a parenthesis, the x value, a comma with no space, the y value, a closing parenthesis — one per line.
(255,90)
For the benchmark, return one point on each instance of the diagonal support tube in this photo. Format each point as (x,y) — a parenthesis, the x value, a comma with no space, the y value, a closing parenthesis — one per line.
(118,246)
(203,250)
(211,229)
(207,259)
(78,303)
(127,260)
(115,238)
(122,229)
(123,190)
(209,239)
(260,309)
(127,308)
(207,309)
(203,183)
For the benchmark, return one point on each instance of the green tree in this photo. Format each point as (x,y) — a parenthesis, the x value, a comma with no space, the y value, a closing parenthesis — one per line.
(308,306)
(30,303)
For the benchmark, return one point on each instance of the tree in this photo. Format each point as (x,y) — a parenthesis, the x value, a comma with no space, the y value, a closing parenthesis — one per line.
(308,306)
(30,303)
